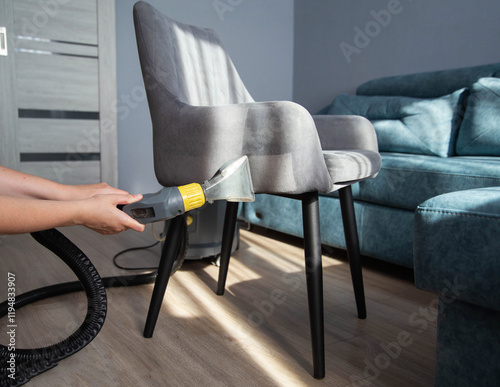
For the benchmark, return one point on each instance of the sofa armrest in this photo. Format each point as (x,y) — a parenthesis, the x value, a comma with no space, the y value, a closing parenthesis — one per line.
(338,132)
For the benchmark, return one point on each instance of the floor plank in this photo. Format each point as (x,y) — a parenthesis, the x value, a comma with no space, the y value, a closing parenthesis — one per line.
(256,334)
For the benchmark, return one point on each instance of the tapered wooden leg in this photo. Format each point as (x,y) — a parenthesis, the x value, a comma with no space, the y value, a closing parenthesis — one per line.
(168,255)
(352,244)
(227,244)
(314,278)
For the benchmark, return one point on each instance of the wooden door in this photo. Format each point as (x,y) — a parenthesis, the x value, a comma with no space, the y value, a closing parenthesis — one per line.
(58,89)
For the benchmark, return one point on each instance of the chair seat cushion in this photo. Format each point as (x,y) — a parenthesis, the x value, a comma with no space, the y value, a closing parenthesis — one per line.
(346,166)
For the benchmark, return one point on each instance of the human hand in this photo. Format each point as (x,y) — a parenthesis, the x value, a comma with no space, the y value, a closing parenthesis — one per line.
(100,213)
(85,191)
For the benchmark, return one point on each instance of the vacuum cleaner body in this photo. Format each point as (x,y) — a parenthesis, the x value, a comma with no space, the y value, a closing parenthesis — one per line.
(204,228)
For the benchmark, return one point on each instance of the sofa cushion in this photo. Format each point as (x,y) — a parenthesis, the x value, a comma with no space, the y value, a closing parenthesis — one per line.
(405,181)
(409,125)
(479,133)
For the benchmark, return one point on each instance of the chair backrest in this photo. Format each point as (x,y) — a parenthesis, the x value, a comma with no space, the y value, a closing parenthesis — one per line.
(203,116)
(188,62)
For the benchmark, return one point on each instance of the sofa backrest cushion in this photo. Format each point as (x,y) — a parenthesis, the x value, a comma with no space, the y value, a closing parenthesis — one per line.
(479,133)
(408,125)
(429,84)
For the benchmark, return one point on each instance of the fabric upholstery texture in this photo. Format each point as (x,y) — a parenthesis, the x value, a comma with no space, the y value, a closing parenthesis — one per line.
(350,132)
(352,166)
(457,241)
(467,345)
(203,116)
(409,125)
(405,181)
(480,130)
(456,248)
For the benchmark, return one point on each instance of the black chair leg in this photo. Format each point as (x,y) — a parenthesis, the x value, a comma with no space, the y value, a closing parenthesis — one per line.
(167,259)
(352,244)
(314,278)
(227,244)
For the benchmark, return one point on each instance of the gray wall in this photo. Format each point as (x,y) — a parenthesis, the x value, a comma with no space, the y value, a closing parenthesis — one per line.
(420,35)
(307,51)
(258,35)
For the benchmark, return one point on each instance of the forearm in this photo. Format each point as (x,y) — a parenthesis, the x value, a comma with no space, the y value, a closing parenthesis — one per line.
(24,215)
(23,185)
(99,213)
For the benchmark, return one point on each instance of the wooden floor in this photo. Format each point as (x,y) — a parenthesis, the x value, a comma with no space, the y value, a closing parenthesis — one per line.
(257,334)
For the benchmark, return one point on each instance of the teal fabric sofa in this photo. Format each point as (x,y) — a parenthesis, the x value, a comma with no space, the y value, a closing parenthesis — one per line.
(438,132)
(457,256)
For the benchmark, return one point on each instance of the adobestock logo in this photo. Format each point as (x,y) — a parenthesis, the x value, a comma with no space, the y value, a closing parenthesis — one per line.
(223,6)
(372,29)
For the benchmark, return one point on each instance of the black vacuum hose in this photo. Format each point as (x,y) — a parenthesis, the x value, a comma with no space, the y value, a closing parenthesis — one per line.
(32,362)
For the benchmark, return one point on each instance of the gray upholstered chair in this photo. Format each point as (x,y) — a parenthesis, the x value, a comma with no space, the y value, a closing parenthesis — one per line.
(203,116)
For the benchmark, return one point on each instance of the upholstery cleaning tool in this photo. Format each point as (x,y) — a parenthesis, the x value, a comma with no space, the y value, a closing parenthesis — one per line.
(232,182)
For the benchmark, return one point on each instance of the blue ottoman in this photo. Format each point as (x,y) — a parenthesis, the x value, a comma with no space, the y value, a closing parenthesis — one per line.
(457,255)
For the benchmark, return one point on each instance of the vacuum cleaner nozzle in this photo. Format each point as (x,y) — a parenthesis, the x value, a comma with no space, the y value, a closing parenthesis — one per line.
(232,182)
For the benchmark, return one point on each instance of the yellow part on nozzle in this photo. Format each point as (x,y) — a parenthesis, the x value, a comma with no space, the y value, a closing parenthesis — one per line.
(192,196)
